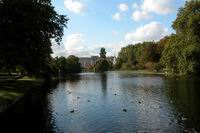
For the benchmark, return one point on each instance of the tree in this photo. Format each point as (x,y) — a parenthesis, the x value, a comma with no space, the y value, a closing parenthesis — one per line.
(182,52)
(188,18)
(147,53)
(181,55)
(73,64)
(161,45)
(102,66)
(127,57)
(27,28)
(137,56)
(64,65)
(103,53)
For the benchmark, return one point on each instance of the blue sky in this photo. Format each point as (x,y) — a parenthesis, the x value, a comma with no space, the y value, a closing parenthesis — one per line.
(113,24)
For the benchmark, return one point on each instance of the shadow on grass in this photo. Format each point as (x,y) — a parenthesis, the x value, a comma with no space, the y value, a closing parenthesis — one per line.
(10,91)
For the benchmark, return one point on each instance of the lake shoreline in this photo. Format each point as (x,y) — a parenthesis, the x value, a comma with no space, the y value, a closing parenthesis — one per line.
(143,72)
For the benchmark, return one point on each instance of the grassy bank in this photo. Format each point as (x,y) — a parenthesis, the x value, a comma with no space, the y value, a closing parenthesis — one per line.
(12,90)
(146,72)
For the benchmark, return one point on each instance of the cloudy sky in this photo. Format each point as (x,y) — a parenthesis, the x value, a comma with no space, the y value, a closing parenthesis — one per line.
(113,24)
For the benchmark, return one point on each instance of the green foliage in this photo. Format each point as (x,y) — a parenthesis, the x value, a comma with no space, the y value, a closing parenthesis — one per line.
(73,64)
(102,65)
(64,65)
(182,55)
(127,55)
(188,18)
(27,28)
(147,53)
(182,52)
(103,53)
(136,56)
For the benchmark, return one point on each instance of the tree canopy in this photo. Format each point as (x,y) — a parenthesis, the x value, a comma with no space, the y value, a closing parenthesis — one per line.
(103,64)
(63,66)
(182,52)
(103,53)
(27,28)
(139,56)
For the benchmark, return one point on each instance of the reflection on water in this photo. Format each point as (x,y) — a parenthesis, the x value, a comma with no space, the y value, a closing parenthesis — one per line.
(153,104)
(120,102)
(104,84)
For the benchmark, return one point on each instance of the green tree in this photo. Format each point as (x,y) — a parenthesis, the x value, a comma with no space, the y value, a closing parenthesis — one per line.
(127,57)
(103,53)
(182,52)
(161,45)
(137,56)
(102,66)
(73,64)
(27,28)
(188,18)
(63,66)
(182,55)
(147,53)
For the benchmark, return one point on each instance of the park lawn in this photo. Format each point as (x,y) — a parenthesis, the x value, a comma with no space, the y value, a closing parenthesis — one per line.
(10,91)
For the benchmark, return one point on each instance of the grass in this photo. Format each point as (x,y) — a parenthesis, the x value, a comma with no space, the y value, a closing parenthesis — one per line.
(26,78)
(15,89)
(145,72)
(148,72)
(9,95)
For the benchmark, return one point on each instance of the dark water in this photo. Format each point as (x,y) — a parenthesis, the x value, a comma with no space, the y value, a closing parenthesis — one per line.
(119,102)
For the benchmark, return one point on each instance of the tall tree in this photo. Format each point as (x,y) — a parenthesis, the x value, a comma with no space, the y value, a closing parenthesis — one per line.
(182,52)
(188,18)
(73,64)
(27,28)
(103,53)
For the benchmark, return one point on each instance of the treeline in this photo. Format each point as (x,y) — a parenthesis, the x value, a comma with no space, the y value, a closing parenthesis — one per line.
(178,53)
(144,55)
(58,66)
(61,66)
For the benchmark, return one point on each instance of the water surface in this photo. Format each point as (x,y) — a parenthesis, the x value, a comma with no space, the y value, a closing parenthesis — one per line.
(123,102)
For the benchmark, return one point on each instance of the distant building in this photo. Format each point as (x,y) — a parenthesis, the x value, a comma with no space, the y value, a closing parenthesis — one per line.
(87,62)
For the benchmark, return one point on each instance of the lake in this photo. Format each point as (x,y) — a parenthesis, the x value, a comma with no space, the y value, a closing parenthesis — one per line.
(118,102)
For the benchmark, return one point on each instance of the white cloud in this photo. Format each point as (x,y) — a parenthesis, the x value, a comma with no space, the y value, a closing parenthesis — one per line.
(75,44)
(75,6)
(73,40)
(112,49)
(123,7)
(150,32)
(139,15)
(151,6)
(58,50)
(157,6)
(116,16)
